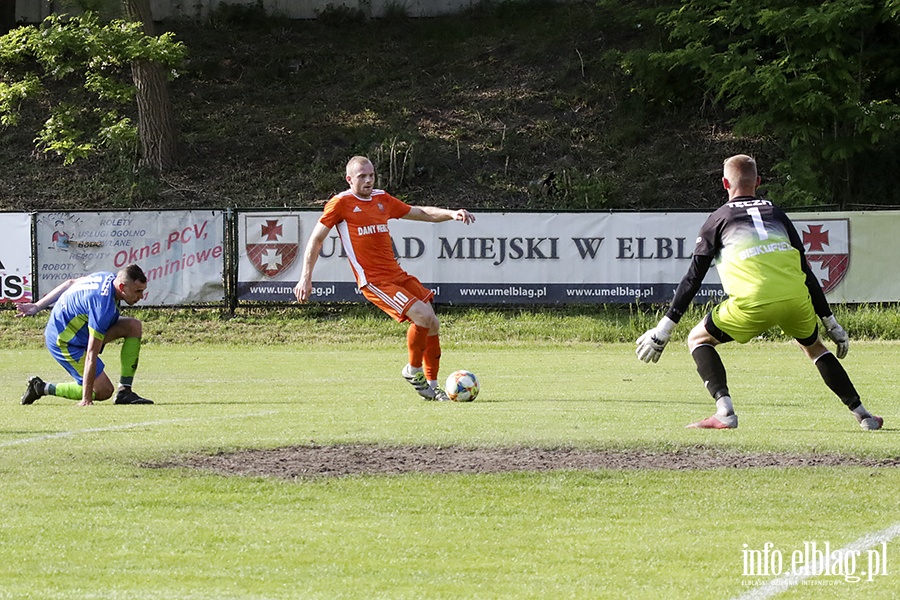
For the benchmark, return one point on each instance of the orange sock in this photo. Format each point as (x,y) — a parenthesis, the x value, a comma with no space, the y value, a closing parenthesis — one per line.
(432,357)
(416,343)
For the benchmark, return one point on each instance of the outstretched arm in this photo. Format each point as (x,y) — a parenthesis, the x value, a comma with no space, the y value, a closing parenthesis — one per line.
(28,309)
(303,289)
(687,289)
(434,214)
(651,344)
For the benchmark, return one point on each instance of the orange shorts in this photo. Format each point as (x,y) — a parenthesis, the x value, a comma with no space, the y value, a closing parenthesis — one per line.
(397,296)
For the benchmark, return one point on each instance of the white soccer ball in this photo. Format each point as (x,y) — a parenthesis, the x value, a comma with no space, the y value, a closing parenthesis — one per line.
(462,386)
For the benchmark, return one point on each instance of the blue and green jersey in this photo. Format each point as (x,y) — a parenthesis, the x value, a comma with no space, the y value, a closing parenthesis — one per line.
(88,306)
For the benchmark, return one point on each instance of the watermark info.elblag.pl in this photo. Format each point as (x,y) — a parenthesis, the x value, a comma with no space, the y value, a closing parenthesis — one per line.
(814,559)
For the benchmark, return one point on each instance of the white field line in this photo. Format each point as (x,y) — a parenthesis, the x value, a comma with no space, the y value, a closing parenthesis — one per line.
(67,434)
(789,580)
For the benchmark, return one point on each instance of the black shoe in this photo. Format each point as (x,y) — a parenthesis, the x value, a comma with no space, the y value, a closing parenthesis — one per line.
(126,396)
(35,390)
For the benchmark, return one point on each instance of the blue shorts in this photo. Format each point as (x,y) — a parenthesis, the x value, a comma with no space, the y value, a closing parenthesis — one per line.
(72,360)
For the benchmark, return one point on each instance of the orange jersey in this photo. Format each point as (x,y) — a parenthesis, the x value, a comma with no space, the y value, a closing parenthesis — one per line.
(362,225)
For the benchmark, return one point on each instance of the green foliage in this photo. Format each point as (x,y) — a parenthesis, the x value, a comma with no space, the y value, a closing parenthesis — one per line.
(90,62)
(118,132)
(13,94)
(493,101)
(62,135)
(818,78)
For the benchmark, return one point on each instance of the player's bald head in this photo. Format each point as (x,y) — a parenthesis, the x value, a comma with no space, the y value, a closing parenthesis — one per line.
(355,163)
(740,171)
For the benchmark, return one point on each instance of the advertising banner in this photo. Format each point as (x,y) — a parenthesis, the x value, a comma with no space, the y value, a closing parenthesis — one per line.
(853,254)
(270,247)
(181,252)
(557,258)
(16,281)
(502,258)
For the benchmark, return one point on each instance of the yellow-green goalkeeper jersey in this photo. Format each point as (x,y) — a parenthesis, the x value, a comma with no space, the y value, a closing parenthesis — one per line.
(757,251)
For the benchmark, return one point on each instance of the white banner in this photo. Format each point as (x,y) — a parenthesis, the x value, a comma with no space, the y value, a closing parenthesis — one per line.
(16,281)
(548,258)
(270,247)
(853,254)
(501,258)
(181,252)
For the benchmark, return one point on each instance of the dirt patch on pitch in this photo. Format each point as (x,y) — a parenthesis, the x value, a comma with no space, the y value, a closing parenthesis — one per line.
(295,462)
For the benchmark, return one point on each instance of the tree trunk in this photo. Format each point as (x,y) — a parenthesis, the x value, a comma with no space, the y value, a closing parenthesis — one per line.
(156,122)
(156,118)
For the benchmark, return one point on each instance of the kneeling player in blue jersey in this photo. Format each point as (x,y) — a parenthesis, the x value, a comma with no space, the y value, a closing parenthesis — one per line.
(84,318)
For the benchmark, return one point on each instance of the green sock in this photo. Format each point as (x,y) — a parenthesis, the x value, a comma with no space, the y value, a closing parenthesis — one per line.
(131,351)
(71,390)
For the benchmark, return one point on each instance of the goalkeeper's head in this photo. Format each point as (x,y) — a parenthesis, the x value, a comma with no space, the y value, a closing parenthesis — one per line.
(739,176)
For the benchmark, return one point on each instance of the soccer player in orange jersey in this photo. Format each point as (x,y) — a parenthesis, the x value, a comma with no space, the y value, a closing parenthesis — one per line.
(361,214)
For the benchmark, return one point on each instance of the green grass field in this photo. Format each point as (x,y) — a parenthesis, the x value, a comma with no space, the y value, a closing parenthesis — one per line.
(84,516)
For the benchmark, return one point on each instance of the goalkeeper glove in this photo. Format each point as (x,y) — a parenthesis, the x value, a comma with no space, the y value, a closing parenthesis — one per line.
(650,346)
(837,335)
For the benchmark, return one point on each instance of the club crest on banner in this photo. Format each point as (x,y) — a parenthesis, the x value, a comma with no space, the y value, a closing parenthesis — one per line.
(827,245)
(273,242)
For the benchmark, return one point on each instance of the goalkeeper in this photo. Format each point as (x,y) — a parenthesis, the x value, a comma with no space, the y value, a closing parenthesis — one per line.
(763,268)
